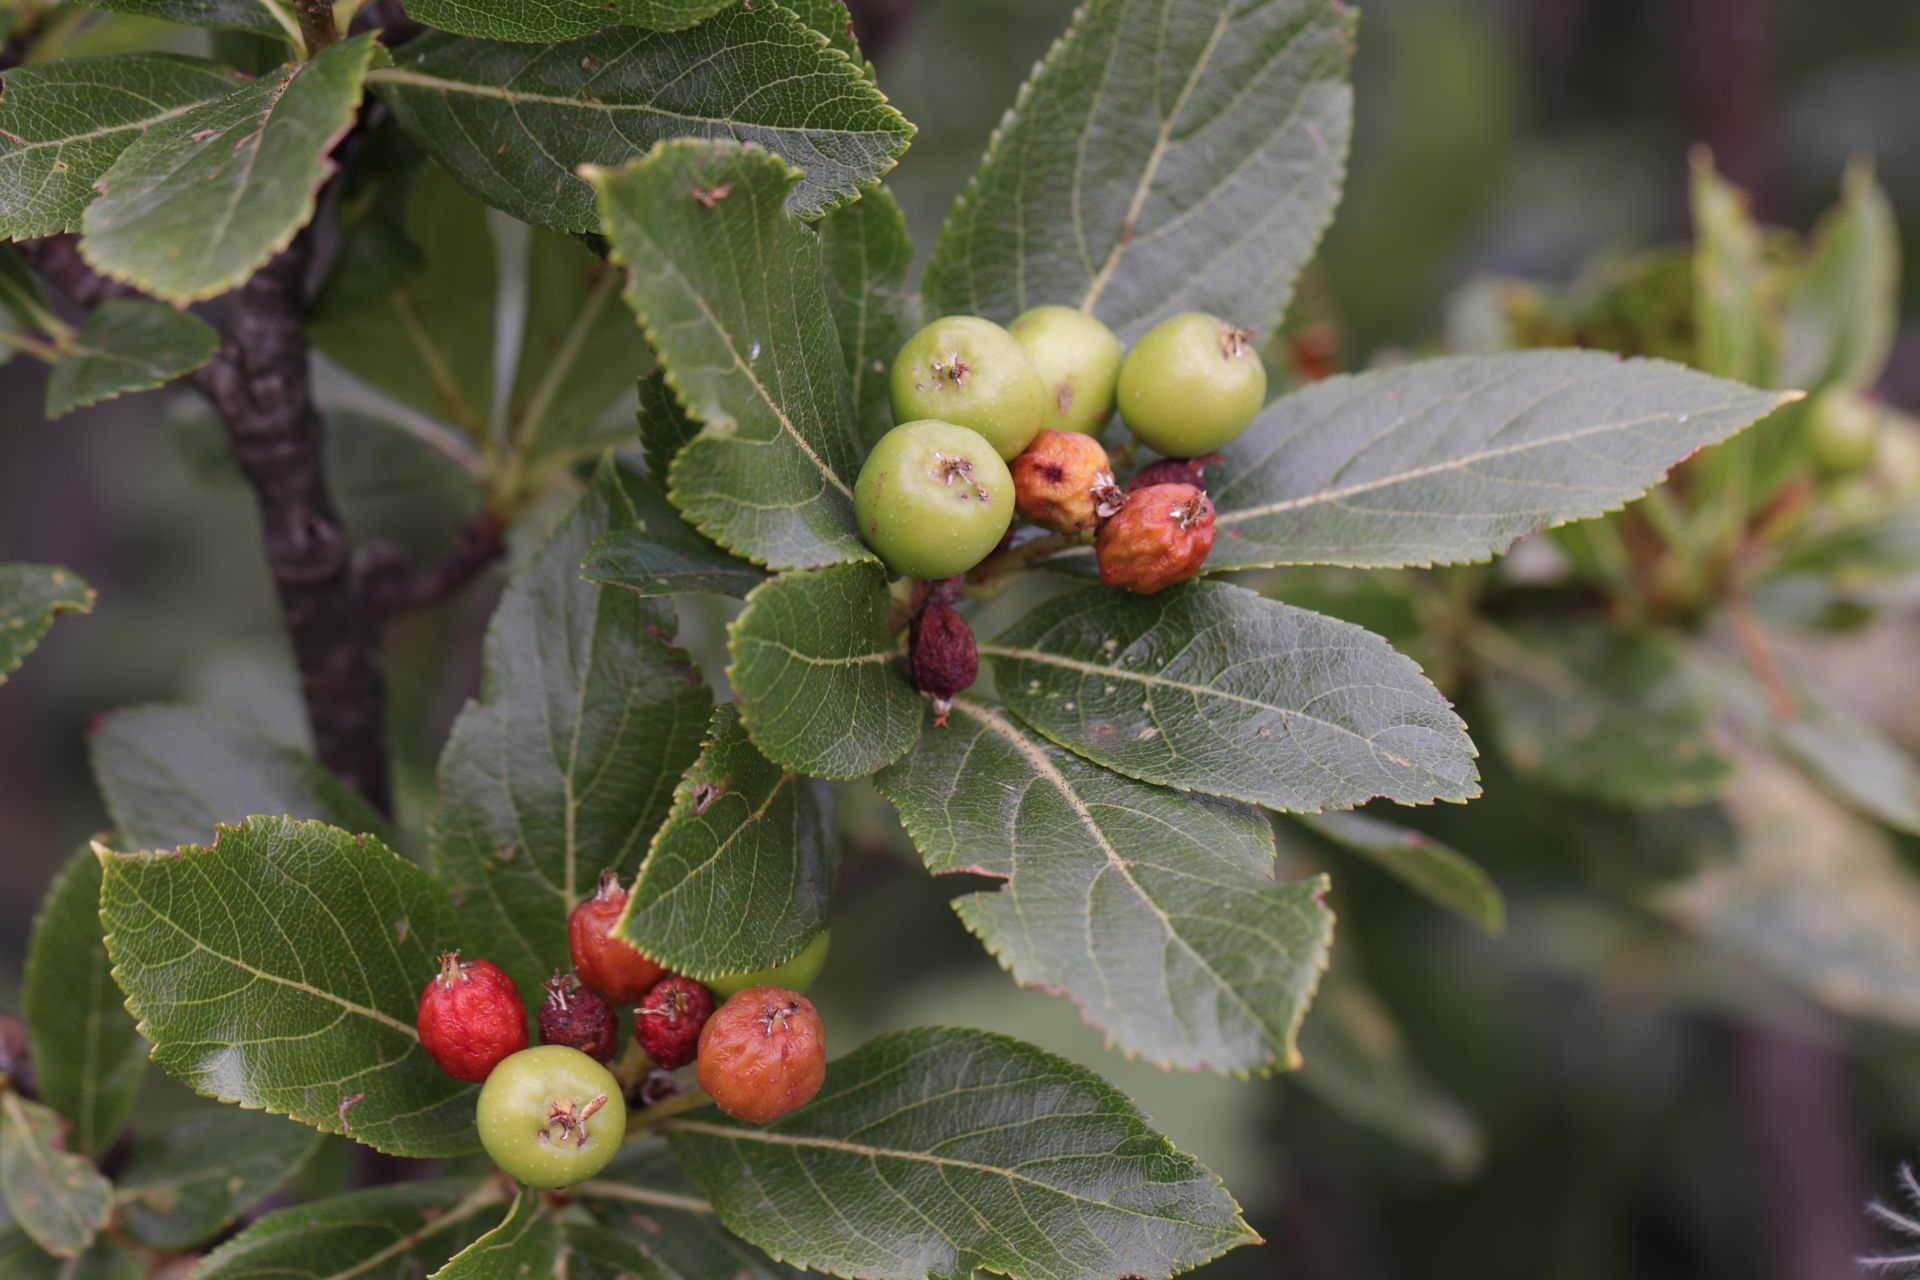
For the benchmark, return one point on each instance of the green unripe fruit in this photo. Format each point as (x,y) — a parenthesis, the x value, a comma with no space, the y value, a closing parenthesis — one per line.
(933,499)
(1078,360)
(1843,431)
(972,373)
(551,1116)
(796,974)
(1191,385)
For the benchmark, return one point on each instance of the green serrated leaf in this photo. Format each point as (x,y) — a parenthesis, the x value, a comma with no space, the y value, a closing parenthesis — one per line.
(128,345)
(1428,867)
(1597,712)
(182,1185)
(22,1259)
(588,715)
(1157,913)
(645,1196)
(1211,688)
(424,336)
(664,556)
(831,19)
(1451,461)
(31,597)
(1009,1158)
(579,353)
(817,672)
(665,428)
(1736,299)
(1357,1064)
(55,1196)
(280,968)
(398,1232)
(235,15)
(525,1245)
(596,1253)
(1843,304)
(171,774)
(87,1055)
(545,21)
(740,876)
(513,122)
(867,252)
(200,201)
(1817,895)
(1174,156)
(64,123)
(731,299)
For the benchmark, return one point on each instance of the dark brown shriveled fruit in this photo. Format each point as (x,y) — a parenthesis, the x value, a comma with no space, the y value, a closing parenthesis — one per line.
(578,1017)
(943,661)
(669,1021)
(1174,471)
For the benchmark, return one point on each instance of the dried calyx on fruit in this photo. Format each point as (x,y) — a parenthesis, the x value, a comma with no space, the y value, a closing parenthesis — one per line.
(604,962)
(1161,537)
(942,658)
(1064,482)
(763,1054)
(669,1020)
(470,1017)
(578,1017)
(1174,471)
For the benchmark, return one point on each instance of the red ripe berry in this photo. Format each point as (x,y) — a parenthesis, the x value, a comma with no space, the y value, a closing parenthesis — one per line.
(670,1019)
(943,658)
(471,1017)
(603,962)
(1162,536)
(578,1017)
(1174,471)
(763,1054)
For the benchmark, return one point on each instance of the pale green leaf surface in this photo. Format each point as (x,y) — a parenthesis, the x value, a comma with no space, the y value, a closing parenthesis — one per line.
(588,715)
(741,874)
(934,1152)
(128,345)
(1183,155)
(579,353)
(1817,895)
(183,1185)
(1736,299)
(1207,687)
(280,968)
(524,1246)
(171,774)
(732,301)
(597,1253)
(867,252)
(31,597)
(23,303)
(819,675)
(200,201)
(665,557)
(1157,913)
(1452,460)
(64,123)
(1596,712)
(1843,305)
(546,21)
(55,1196)
(22,1259)
(514,121)
(1433,870)
(235,15)
(644,1195)
(88,1059)
(399,1232)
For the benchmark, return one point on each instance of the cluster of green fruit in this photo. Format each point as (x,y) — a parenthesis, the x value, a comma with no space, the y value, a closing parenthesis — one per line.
(937,494)
(552,1115)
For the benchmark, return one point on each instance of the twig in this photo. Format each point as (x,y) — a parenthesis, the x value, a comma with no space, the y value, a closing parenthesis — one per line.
(317,28)
(1758,652)
(387,589)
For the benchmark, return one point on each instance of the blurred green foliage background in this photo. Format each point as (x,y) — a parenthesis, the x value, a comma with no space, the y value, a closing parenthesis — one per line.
(1568,1124)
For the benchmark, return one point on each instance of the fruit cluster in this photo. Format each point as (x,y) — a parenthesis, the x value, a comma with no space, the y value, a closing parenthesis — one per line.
(555,1114)
(996,421)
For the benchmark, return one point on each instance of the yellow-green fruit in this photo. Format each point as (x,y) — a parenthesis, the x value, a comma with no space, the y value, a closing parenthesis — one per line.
(933,499)
(1191,385)
(796,974)
(972,373)
(1078,360)
(551,1116)
(1843,431)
